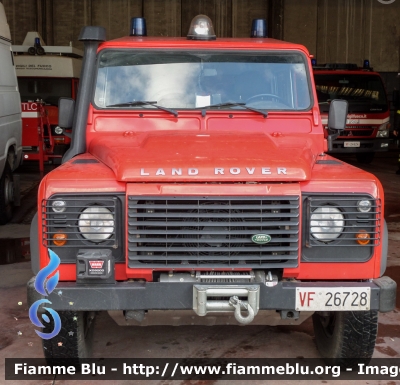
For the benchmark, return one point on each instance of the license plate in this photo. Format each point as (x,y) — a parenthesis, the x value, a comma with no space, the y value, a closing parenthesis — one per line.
(333,299)
(351,144)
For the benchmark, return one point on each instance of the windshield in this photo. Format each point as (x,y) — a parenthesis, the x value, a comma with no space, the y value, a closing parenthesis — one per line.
(365,93)
(273,81)
(47,89)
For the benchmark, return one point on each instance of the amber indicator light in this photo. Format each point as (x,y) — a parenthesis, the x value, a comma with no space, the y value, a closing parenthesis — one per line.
(363,238)
(60,239)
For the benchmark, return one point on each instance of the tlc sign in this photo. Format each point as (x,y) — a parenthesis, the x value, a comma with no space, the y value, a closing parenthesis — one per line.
(29,106)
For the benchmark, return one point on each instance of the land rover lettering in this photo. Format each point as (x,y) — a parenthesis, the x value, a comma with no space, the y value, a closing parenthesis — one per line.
(217,171)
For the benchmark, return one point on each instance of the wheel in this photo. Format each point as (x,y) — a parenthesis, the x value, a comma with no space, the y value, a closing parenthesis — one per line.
(365,157)
(260,96)
(75,338)
(6,195)
(347,338)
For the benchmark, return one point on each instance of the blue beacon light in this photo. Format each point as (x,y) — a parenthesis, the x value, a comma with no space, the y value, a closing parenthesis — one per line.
(138,27)
(259,28)
(37,49)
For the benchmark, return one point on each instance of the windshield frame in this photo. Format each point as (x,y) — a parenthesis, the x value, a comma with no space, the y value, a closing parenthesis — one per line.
(289,52)
(50,80)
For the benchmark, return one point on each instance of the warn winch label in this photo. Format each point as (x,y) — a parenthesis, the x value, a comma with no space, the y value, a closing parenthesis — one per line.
(96,268)
(96,264)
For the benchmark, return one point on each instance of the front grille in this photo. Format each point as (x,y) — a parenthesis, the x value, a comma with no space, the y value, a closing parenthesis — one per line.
(202,232)
(356,131)
(351,131)
(345,247)
(360,128)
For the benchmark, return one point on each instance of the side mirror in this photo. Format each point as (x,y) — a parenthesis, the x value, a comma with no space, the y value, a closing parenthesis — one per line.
(396,99)
(66,108)
(336,120)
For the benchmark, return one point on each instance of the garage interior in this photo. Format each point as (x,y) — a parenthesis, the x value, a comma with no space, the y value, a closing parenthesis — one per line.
(343,31)
(334,31)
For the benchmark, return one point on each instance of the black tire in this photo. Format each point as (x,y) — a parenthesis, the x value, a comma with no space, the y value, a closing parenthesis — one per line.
(6,198)
(365,157)
(75,339)
(346,338)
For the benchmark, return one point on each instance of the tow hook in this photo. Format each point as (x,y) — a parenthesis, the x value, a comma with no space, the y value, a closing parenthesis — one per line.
(225,298)
(237,304)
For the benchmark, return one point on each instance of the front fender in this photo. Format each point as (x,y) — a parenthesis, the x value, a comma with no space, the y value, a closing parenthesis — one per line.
(34,245)
(385,246)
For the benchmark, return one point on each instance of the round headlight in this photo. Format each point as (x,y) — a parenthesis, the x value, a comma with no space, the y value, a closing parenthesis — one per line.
(364,206)
(59,206)
(58,130)
(327,223)
(96,223)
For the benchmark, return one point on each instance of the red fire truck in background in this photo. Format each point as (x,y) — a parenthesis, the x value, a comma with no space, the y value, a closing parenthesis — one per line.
(45,73)
(367,129)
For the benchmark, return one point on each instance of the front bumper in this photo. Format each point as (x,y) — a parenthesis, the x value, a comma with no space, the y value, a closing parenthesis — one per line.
(366,145)
(179,295)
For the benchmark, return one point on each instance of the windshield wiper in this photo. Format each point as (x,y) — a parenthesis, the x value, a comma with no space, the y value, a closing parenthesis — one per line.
(235,104)
(144,103)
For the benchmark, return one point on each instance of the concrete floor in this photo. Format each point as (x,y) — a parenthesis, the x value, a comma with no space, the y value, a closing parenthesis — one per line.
(18,337)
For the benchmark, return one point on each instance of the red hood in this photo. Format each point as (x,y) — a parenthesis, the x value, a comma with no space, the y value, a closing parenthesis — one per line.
(193,157)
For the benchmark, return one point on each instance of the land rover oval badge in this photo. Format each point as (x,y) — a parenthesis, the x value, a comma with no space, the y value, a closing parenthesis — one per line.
(261,239)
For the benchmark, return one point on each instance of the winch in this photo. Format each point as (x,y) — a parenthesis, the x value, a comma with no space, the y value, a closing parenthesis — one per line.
(221,298)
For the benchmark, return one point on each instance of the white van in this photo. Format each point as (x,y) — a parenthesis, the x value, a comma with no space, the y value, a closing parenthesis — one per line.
(10,124)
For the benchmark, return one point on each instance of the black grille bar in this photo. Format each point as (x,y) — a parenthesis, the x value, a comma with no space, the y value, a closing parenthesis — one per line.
(216,232)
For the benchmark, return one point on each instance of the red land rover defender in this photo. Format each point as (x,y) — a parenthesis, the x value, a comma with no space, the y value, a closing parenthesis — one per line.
(197,188)
(367,128)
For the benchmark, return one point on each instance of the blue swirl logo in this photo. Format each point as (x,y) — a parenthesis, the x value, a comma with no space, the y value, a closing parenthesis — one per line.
(41,284)
(44,286)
